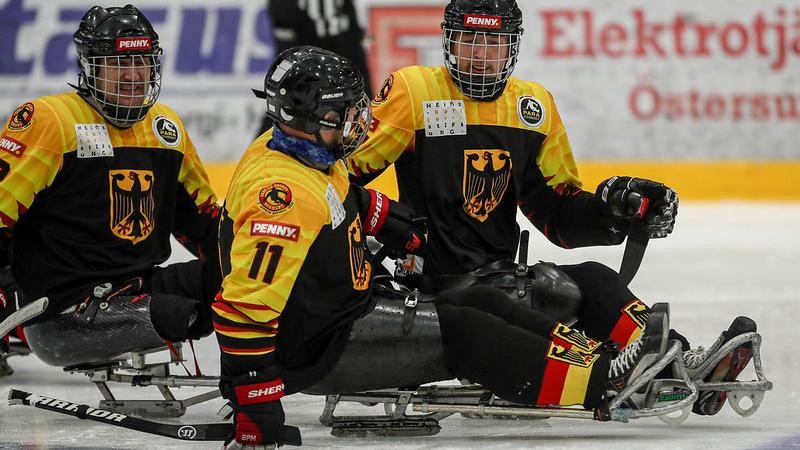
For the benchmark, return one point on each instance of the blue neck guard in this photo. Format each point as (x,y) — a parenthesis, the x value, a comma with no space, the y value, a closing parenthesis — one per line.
(310,153)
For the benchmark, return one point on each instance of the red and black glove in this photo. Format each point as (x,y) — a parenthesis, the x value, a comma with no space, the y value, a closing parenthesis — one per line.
(639,199)
(258,414)
(393,224)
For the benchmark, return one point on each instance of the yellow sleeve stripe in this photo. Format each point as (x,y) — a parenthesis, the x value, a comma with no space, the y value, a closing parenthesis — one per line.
(194,177)
(232,311)
(556,160)
(244,334)
(231,351)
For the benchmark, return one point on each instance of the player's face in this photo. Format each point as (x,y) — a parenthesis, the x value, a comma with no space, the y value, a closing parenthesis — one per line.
(331,136)
(354,126)
(124,81)
(480,53)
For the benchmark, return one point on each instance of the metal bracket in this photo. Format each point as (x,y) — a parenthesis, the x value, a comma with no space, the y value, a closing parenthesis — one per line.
(136,371)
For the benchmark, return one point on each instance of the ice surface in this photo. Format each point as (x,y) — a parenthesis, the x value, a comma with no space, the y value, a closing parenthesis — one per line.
(723,260)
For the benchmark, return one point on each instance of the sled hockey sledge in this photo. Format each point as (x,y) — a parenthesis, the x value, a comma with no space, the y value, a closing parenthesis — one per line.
(408,411)
(436,402)
(413,411)
(413,401)
(432,403)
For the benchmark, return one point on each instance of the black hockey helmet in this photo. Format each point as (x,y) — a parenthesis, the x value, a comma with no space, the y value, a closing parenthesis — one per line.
(470,24)
(306,84)
(120,63)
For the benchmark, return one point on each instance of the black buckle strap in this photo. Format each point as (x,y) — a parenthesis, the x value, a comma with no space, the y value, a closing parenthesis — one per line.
(102,295)
(410,310)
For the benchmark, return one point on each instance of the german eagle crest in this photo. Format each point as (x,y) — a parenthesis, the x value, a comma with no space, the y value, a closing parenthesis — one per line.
(486,177)
(132,203)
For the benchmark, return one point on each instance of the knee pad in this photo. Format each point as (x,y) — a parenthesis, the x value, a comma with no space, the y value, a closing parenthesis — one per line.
(593,273)
(555,293)
(177,318)
(545,288)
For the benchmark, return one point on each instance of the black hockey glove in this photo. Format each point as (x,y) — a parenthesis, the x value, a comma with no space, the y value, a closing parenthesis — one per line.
(258,414)
(393,224)
(639,199)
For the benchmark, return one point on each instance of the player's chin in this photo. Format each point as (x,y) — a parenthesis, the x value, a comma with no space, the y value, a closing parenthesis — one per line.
(136,100)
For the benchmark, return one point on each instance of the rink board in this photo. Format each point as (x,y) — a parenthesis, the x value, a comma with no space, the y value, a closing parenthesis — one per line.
(734,180)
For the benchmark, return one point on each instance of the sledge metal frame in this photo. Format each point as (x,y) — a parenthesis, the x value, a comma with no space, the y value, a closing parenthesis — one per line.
(662,398)
(17,349)
(737,390)
(434,402)
(429,404)
(134,369)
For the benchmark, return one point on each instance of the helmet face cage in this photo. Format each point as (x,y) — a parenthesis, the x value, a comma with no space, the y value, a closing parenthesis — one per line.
(124,87)
(356,123)
(480,62)
(120,63)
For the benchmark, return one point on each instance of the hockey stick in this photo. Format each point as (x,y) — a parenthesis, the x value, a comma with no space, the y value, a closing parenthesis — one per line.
(22,315)
(634,251)
(186,432)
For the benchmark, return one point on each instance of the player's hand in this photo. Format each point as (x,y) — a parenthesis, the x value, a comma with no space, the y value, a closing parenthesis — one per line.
(394,225)
(258,414)
(640,199)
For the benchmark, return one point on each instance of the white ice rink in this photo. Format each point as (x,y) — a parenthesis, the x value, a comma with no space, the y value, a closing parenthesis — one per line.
(723,260)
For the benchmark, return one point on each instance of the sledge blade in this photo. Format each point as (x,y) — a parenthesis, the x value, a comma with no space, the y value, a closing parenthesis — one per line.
(384,426)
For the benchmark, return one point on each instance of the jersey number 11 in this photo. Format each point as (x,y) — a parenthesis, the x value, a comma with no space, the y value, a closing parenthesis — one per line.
(272,264)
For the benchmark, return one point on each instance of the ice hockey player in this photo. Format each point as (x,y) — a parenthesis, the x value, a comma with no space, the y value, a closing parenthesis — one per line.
(298,279)
(471,144)
(92,185)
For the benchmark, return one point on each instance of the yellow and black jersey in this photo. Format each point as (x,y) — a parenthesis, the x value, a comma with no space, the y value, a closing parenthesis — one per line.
(294,261)
(467,165)
(87,202)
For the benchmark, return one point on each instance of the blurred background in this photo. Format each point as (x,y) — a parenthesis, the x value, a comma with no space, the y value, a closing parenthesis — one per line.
(701,95)
(704,96)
